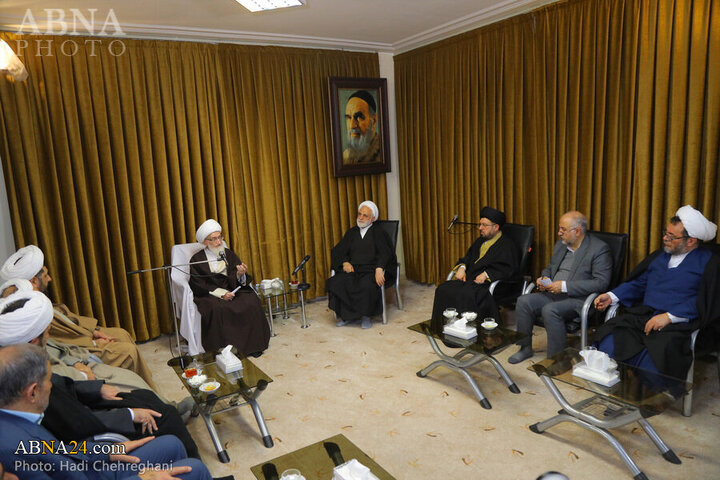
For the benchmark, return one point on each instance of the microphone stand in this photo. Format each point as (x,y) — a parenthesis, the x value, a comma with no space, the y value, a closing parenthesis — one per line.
(302,286)
(168,278)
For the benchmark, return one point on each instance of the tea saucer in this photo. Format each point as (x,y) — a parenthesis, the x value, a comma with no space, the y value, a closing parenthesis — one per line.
(209,387)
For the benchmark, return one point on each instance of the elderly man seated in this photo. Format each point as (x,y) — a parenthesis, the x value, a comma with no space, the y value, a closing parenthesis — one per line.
(25,388)
(78,410)
(662,299)
(363,260)
(231,313)
(113,346)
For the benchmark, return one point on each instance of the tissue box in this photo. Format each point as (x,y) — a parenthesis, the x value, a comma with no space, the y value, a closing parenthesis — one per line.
(606,378)
(465,332)
(228,366)
(353,470)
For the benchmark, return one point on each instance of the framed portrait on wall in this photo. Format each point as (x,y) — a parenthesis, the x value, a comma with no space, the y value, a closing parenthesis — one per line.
(359,122)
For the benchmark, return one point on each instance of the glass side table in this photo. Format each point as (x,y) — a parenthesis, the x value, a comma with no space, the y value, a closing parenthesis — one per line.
(317,461)
(639,395)
(236,389)
(478,349)
(280,300)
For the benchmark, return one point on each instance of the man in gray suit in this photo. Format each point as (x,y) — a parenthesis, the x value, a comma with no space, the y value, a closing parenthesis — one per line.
(581,264)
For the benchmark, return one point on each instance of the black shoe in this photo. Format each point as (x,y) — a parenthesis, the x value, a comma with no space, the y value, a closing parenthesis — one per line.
(255,354)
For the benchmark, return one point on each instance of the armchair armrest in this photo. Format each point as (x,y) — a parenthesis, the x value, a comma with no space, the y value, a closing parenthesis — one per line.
(584,314)
(530,287)
(110,437)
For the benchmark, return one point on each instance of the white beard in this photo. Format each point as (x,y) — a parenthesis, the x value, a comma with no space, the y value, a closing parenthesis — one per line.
(362,144)
(361,224)
(215,250)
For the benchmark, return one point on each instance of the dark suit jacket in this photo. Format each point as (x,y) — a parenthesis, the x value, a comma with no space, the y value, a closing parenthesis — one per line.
(15,429)
(591,270)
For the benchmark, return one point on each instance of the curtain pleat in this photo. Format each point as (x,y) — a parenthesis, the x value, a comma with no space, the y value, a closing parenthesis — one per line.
(610,107)
(111,156)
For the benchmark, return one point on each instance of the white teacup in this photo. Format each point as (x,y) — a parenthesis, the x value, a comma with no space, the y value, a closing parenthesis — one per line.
(292,474)
(469,316)
(489,323)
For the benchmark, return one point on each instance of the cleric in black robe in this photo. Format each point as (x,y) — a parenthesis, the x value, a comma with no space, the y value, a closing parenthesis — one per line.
(491,257)
(363,261)
(227,318)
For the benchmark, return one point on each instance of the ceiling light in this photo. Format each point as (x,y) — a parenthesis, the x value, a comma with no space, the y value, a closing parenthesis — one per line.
(10,64)
(259,5)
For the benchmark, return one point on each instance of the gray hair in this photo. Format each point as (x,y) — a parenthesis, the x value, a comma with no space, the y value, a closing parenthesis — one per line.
(20,365)
(580,222)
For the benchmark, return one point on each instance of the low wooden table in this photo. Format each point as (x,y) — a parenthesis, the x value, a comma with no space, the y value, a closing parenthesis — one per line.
(317,461)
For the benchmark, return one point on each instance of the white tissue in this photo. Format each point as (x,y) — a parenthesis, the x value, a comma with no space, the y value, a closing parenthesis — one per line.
(598,367)
(353,470)
(459,328)
(227,361)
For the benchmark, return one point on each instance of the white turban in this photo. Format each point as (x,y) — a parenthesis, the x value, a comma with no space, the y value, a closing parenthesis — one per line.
(371,206)
(20,283)
(25,263)
(27,322)
(208,227)
(696,224)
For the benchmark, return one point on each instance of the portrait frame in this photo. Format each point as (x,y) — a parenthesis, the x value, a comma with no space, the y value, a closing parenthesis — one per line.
(376,157)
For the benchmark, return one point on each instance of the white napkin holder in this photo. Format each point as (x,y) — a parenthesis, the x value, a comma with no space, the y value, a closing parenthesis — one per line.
(353,470)
(460,329)
(597,367)
(227,361)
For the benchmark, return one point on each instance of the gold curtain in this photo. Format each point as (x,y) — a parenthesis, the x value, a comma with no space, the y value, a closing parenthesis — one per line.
(611,107)
(115,150)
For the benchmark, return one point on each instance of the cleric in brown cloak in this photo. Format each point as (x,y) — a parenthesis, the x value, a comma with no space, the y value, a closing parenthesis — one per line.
(227,318)
(491,257)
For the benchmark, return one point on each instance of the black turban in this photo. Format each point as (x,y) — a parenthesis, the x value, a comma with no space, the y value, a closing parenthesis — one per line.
(366,97)
(495,216)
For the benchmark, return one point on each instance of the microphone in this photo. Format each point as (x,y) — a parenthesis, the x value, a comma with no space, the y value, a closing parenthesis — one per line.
(221,256)
(452,222)
(301,264)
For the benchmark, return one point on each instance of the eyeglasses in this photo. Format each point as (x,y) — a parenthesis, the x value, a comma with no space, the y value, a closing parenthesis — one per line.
(565,230)
(485,224)
(671,237)
(215,238)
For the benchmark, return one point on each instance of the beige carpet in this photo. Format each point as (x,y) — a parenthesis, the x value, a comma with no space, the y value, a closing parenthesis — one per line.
(362,383)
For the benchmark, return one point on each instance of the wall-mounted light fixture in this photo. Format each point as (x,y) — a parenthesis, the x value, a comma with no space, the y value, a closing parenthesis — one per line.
(10,64)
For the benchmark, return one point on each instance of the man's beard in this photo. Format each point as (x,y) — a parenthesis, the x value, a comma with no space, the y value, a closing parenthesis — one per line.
(363,224)
(677,250)
(360,145)
(486,236)
(215,250)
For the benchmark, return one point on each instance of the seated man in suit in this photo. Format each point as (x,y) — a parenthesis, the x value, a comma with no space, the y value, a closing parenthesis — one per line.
(580,265)
(113,346)
(491,257)
(363,260)
(25,388)
(227,318)
(78,410)
(675,287)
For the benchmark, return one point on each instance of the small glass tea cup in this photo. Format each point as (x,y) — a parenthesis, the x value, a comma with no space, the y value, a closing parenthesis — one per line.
(291,474)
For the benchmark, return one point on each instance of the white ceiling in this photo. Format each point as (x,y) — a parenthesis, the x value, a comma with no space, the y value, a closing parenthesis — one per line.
(369,25)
